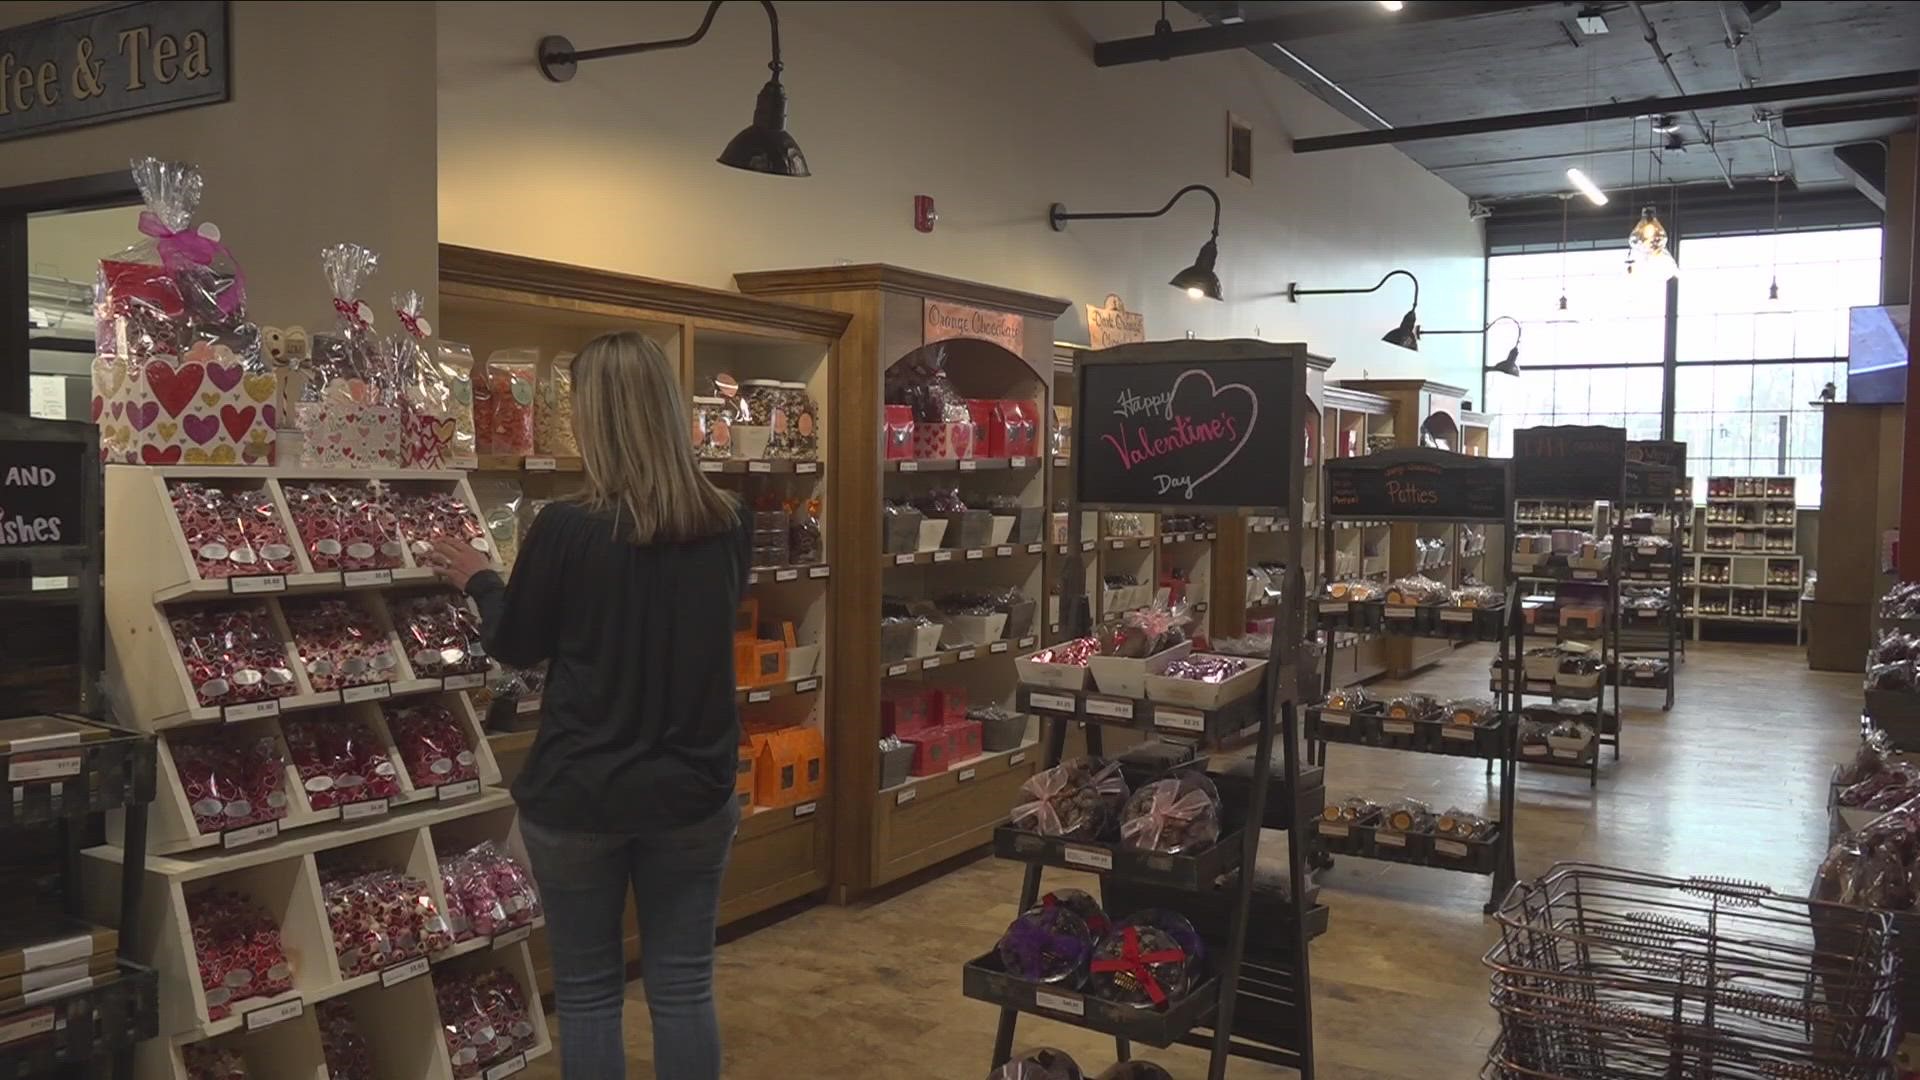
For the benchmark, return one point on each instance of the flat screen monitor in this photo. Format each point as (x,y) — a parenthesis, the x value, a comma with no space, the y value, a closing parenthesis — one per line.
(1878,340)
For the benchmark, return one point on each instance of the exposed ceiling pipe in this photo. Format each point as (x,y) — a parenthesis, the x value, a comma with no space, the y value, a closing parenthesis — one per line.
(1653,42)
(1760,116)
(1166,43)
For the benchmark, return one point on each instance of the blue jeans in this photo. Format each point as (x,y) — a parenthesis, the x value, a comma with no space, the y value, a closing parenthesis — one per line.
(675,876)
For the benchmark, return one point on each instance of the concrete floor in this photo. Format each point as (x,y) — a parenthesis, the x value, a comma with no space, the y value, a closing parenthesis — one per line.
(1731,782)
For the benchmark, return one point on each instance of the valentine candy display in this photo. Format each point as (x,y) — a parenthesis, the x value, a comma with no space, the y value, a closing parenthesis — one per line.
(1073,653)
(338,643)
(1208,668)
(207,1061)
(237,944)
(232,653)
(453,366)
(349,409)
(344,526)
(432,744)
(1081,903)
(553,410)
(427,406)
(1047,944)
(347,1054)
(1139,965)
(440,633)
(1181,930)
(503,396)
(1080,799)
(231,780)
(1178,814)
(487,892)
(340,760)
(803,422)
(179,376)
(435,515)
(500,504)
(231,532)
(483,1017)
(380,917)
(1043,1063)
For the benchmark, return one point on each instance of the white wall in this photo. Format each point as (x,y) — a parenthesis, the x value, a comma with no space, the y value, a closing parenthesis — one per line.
(996,110)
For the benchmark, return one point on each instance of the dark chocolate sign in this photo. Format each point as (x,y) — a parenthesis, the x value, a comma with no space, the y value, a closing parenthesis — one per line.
(1417,482)
(110,63)
(1193,429)
(1569,462)
(42,492)
(1655,469)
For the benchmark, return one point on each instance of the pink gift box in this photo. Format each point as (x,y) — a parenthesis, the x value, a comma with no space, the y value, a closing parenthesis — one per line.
(943,442)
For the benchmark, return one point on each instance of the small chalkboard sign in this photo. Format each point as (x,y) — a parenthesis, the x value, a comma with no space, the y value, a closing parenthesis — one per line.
(43,492)
(1569,461)
(1655,469)
(1418,482)
(1200,424)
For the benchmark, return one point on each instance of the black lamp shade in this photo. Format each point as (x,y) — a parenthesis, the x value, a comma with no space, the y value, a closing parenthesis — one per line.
(1511,365)
(764,145)
(1200,277)
(1406,335)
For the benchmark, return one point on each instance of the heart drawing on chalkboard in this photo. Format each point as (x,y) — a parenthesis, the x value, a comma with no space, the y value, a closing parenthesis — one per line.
(1253,415)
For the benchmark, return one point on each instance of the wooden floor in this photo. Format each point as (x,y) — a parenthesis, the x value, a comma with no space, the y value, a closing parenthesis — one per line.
(1731,782)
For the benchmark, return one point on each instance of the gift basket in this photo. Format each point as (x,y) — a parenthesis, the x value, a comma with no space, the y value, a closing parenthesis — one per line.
(1079,799)
(179,374)
(941,423)
(349,408)
(1047,945)
(1142,964)
(1179,814)
(431,438)
(237,946)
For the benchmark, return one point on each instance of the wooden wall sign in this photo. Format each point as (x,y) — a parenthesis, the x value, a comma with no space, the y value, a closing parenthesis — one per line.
(1655,469)
(1111,324)
(1569,461)
(1418,482)
(1186,431)
(42,493)
(111,63)
(947,320)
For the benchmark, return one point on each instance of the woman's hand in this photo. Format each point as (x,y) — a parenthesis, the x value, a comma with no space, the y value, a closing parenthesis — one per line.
(455,562)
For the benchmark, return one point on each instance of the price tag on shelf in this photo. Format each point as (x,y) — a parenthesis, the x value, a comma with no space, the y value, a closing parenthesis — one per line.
(371,808)
(966,654)
(903,560)
(1450,847)
(400,973)
(1091,858)
(253,710)
(1108,707)
(26,1025)
(1034,549)
(457,790)
(1457,732)
(1065,1004)
(463,682)
(1396,727)
(1016,463)
(540,464)
(786,575)
(1003,551)
(1399,611)
(806,686)
(501,1070)
(757,696)
(805,467)
(965,775)
(712,466)
(257,583)
(369,692)
(512,937)
(943,556)
(997,646)
(1335,719)
(819,571)
(969,465)
(1146,543)
(1456,614)
(26,769)
(269,1015)
(805,809)
(1028,642)
(251,834)
(1332,607)
(1018,757)
(1117,544)
(753,577)
(526,705)
(1533,750)
(1179,719)
(897,669)
(909,466)
(1050,702)
(1333,828)
(366,579)
(930,663)
(1385,838)
(976,553)
(906,796)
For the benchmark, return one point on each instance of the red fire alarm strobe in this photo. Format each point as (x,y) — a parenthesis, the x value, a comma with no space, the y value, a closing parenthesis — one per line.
(924,215)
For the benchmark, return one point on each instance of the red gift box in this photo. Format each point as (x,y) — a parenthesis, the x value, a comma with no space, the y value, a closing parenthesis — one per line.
(905,711)
(943,442)
(1022,428)
(932,751)
(989,427)
(947,704)
(964,739)
(896,433)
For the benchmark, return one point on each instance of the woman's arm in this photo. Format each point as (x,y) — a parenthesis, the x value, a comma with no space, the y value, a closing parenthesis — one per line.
(517,620)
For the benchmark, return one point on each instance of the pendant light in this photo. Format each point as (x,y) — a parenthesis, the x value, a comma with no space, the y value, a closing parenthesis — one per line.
(1647,240)
(763,146)
(1406,335)
(1564,199)
(1509,366)
(1197,281)
(1773,284)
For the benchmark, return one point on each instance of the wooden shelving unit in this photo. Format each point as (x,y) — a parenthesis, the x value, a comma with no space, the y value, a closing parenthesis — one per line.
(1350,422)
(881,837)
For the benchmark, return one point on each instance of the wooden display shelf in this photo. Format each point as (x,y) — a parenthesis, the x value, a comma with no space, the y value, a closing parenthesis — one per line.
(959,555)
(528,463)
(931,465)
(754,695)
(777,856)
(961,655)
(929,819)
(767,467)
(781,575)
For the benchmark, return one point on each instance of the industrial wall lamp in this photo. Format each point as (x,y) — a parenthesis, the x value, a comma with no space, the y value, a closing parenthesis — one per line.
(1199,280)
(762,146)
(1509,366)
(1406,335)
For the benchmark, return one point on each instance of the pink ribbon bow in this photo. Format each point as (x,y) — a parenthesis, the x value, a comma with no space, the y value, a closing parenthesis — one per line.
(188,246)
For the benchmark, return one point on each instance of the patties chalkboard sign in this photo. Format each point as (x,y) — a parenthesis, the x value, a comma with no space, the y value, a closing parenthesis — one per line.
(1200,424)
(1418,482)
(41,493)
(1569,462)
(1655,469)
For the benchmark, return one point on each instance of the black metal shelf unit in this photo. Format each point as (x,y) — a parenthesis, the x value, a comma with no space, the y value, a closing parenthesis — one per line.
(1424,486)
(1257,1002)
(1656,482)
(61,766)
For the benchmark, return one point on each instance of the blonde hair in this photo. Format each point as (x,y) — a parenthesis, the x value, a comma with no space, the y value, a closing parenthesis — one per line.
(631,422)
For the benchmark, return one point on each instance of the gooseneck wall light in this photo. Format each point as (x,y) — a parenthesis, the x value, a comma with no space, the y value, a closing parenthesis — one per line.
(1199,281)
(762,146)
(1406,335)
(1509,366)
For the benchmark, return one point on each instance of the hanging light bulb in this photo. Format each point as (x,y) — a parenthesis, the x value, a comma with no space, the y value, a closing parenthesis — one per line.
(1647,248)
(1773,284)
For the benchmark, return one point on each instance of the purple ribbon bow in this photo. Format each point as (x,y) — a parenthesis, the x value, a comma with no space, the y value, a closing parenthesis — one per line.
(177,249)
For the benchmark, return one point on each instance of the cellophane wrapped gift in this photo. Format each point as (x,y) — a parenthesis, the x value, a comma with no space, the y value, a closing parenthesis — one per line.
(454,363)
(179,375)
(503,397)
(349,409)
(553,410)
(430,430)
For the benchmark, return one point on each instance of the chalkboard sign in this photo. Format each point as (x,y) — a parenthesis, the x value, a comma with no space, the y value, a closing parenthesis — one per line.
(1187,424)
(1655,469)
(1418,482)
(42,494)
(1569,462)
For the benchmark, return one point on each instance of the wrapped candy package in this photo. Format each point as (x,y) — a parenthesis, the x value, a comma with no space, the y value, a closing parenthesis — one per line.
(553,410)
(437,515)
(340,760)
(503,397)
(1043,1063)
(1873,866)
(208,1061)
(483,1017)
(238,948)
(453,365)
(232,652)
(346,1052)
(338,644)
(487,892)
(1180,813)
(1081,903)
(344,526)
(1181,930)
(432,744)
(1079,799)
(231,780)
(231,532)
(1073,653)
(350,410)
(380,917)
(1047,945)
(441,634)
(1206,668)
(179,374)
(1139,965)
(427,407)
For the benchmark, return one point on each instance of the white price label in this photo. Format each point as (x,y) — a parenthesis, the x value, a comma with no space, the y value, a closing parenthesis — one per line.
(400,973)
(1585,575)
(1566,755)
(464,682)
(757,696)
(786,575)
(943,556)
(819,571)
(966,654)
(805,809)
(965,775)
(1399,611)
(1003,551)
(1457,731)
(1118,710)
(1028,642)
(712,466)
(512,937)
(1455,614)
(369,692)
(1336,719)
(759,466)
(1017,757)
(1117,544)
(1091,858)
(753,577)
(1450,847)
(929,663)
(1396,727)
(1533,750)
(269,1015)
(527,705)
(906,796)
(540,464)
(252,834)
(1034,549)
(366,579)
(26,1026)
(258,583)
(897,669)
(1065,1004)
(1050,702)
(1332,607)
(251,711)
(30,770)
(806,686)
(509,1067)
(1146,543)
(1179,719)
(903,560)
(1017,462)
(909,466)
(458,790)
(1334,828)
(804,467)
(1390,839)
(998,646)
(976,553)
(371,808)
(969,465)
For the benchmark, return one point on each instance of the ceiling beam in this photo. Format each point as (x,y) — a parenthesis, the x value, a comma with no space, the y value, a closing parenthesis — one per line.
(1847,112)
(1612,110)
(1165,43)
(1864,164)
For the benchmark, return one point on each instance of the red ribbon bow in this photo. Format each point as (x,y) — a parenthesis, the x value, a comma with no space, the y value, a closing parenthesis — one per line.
(411,322)
(1133,962)
(350,311)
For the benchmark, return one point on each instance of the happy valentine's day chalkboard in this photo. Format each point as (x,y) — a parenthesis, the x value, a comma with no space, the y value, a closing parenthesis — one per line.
(1418,482)
(1186,424)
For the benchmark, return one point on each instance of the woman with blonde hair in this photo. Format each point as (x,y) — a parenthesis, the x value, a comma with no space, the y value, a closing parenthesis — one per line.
(628,591)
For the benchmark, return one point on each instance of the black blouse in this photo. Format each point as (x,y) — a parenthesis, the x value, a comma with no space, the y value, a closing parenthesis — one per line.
(638,727)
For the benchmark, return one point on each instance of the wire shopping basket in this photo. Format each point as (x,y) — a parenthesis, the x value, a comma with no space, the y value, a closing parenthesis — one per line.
(1603,973)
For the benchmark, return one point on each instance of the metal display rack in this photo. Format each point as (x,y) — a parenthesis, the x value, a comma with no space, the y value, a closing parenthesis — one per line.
(1257,1001)
(1656,483)
(1424,487)
(83,1020)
